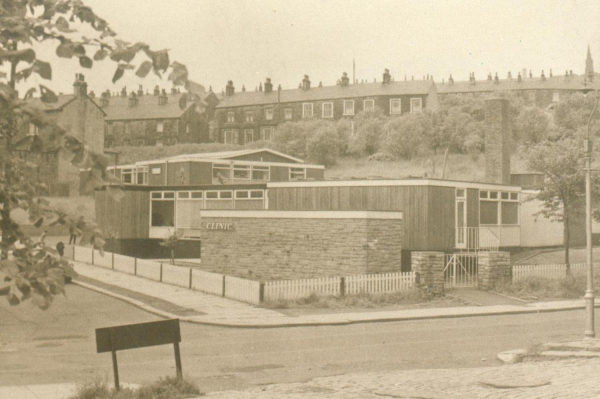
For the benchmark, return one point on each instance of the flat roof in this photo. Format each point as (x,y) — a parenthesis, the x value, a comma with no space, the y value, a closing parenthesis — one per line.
(262,214)
(395,182)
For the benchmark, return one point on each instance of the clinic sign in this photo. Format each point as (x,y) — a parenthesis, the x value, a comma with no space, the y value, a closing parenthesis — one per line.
(219,226)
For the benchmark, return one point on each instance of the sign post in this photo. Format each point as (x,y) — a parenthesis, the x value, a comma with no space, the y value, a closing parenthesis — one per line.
(131,336)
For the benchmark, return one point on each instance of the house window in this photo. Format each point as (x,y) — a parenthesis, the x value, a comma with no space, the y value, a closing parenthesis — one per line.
(266,133)
(498,208)
(488,212)
(162,209)
(297,174)
(416,105)
(288,114)
(196,194)
(395,106)
(249,116)
(231,136)
(348,107)
(555,97)
(160,127)
(127,176)
(256,194)
(369,105)
(269,113)
(461,193)
(142,175)
(231,117)
(187,128)
(248,136)
(241,172)
(510,213)
(260,173)
(327,110)
(33,129)
(242,194)
(307,110)
(221,173)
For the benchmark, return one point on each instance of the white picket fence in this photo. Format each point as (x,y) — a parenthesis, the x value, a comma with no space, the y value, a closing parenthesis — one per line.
(379,283)
(240,289)
(557,270)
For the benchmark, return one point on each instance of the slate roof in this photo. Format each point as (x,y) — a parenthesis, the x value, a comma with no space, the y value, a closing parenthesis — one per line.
(147,108)
(234,154)
(422,87)
(554,83)
(63,100)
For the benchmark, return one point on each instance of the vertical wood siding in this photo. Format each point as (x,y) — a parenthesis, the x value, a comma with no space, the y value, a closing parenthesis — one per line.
(110,214)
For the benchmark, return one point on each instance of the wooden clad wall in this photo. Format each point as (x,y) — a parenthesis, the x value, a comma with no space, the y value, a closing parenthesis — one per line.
(127,218)
(200,173)
(472,207)
(428,217)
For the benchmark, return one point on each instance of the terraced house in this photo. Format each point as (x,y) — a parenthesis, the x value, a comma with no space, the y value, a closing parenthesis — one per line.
(244,117)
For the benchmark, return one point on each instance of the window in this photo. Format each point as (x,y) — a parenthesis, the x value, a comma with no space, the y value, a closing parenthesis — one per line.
(416,105)
(256,194)
(221,172)
(142,175)
(266,133)
(241,172)
(156,171)
(498,207)
(183,195)
(269,113)
(327,110)
(248,136)
(348,107)
(249,116)
(260,173)
(160,127)
(488,212)
(395,106)
(369,105)
(484,194)
(288,114)
(555,97)
(163,209)
(225,195)
(187,128)
(212,195)
(127,176)
(461,193)
(307,110)
(510,213)
(196,194)
(231,117)
(242,194)
(33,129)
(297,174)
(231,136)
(494,194)
(514,196)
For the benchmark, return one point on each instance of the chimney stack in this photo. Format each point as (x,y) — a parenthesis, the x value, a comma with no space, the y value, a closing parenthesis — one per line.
(497,136)
(140,91)
(305,83)
(450,79)
(260,86)
(387,78)
(268,86)
(229,89)
(132,100)
(163,98)
(104,99)
(124,92)
(79,86)
(345,81)
(156,90)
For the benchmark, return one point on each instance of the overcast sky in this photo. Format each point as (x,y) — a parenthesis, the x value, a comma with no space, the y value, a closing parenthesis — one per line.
(247,41)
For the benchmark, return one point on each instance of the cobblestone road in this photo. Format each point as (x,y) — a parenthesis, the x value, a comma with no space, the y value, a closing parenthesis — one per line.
(543,380)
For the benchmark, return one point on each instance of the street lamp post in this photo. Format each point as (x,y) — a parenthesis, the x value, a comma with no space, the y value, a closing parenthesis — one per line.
(590,331)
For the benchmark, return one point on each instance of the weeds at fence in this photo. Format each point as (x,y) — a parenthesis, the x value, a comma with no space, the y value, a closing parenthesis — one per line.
(164,388)
(546,288)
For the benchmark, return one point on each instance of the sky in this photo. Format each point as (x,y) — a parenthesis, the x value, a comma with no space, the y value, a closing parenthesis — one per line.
(248,41)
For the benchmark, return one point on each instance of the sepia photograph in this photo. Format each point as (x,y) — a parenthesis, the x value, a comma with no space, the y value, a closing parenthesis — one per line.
(299,199)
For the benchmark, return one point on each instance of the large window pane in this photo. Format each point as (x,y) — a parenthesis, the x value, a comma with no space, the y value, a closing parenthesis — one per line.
(488,212)
(163,213)
(510,213)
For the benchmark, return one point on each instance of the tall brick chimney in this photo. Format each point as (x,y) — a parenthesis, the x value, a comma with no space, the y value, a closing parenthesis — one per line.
(268,86)
(229,89)
(497,136)
(79,86)
(305,83)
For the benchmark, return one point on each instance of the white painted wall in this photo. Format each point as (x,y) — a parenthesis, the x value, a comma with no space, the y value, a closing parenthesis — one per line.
(537,231)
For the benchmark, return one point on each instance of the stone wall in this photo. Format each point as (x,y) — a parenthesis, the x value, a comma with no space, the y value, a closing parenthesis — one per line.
(430,266)
(497,136)
(292,248)
(494,268)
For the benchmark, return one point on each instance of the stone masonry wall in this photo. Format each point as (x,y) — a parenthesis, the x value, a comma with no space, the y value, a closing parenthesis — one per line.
(430,266)
(497,136)
(276,249)
(494,268)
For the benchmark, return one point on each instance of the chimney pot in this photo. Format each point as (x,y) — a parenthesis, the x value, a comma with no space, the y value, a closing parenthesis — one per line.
(345,81)
(156,90)
(387,78)
(79,86)
(268,86)
(140,91)
(229,89)
(306,83)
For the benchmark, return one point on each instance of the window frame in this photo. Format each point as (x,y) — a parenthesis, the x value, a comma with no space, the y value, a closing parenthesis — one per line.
(244,168)
(330,115)
(269,113)
(393,100)
(160,196)
(345,111)
(304,109)
(288,114)
(293,173)
(371,101)
(249,116)
(248,132)
(230,117)
(264,169)
(412,108)
(264,130)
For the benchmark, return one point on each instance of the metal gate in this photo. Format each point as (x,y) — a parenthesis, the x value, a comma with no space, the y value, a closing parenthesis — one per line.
(460,270)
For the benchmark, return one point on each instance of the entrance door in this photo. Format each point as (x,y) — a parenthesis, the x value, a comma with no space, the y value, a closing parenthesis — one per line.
(461,223)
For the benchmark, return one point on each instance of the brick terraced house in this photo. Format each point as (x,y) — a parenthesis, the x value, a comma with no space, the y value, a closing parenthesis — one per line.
(244,117)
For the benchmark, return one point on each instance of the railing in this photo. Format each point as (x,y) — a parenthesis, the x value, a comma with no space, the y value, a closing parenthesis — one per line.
(461,270)
(557,270)
(478,238)
(296,289)
(379,283)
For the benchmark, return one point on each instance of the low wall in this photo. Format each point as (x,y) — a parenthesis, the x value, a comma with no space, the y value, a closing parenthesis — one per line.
(273,245)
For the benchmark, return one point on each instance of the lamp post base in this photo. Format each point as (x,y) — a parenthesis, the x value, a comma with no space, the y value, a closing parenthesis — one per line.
(589,310)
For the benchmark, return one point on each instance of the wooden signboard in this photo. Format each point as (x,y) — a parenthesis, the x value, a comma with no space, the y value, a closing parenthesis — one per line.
(131,336)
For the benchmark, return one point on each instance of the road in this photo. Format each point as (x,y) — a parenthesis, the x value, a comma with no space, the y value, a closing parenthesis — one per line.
(58,345)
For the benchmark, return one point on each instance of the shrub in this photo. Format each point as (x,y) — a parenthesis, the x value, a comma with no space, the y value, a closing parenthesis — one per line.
(164,388)
(323,146)
(403,136)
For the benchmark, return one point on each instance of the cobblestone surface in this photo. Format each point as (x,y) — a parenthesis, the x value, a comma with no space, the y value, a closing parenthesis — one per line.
(573,378)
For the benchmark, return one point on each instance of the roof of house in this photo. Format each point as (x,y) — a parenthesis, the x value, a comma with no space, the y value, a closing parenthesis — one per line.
(575,82)
(63,101)
(327,93)
(147,108)
(234,154)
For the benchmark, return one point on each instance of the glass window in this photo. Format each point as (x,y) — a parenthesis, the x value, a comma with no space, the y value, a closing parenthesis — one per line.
(267,133)
(163,213)
(494,194)
(212,194)
(242,194)
(231,117)
(307,110)
(483,194)
(225,194)
(196,194)
(514,196)
(504,196)
(416,105)
(288,114)
(297,173)
(510,213)
(156,195)
(269,113)
(183,194)
(460,193)
(488,212)
(348,107)
(160,127)
(231,136)
(256,194)
(241,172)
(369,105)
(127,176)
(395,106)
(248,136)
(221,171)
(249,116)
(327,110)
(260,173)
(169,195)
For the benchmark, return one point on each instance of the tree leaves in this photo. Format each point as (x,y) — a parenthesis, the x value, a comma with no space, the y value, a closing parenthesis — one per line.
(120,71)
(65,50)
(47,95)
(100,54)
(27,55)
(43,69)
(144,69)
(179,74)
(85,62)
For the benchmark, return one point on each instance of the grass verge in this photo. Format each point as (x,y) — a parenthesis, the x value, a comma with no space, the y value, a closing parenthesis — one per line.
(164,388)
(544,288)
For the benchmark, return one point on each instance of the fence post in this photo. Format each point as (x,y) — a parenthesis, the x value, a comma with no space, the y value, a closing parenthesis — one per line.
(223,295)
(261,292)
(190,278)
(161,272)
(93,256)
(342,286)
(73,251)
(113,260)
(135,266)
